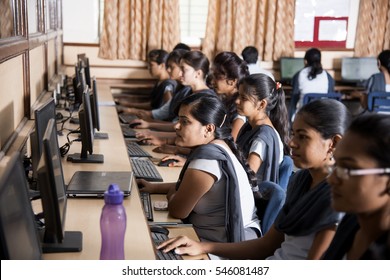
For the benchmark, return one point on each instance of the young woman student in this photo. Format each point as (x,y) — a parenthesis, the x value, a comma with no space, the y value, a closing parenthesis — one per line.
(194,69)
(163,89)
(214,190)
(361,187)
(227,71)
(381,80)
(311,79)
(264,138)
(307,223)
(166,111)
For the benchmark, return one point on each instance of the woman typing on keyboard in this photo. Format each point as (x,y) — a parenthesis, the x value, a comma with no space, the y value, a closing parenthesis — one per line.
(214,191)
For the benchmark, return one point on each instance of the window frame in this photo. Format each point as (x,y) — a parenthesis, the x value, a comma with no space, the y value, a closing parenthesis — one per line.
(316,42)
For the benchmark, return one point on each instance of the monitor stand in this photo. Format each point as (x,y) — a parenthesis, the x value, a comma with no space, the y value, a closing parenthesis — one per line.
(100,135)
(73,242)
(94,158)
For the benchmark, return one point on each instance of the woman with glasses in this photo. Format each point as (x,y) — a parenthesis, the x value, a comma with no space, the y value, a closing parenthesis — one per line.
(306,224)
(361,187)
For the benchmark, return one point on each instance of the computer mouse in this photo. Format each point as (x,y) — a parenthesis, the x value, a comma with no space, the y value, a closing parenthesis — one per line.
(59,116)
(159,229)
(142,142)
(167,162)
(133,125)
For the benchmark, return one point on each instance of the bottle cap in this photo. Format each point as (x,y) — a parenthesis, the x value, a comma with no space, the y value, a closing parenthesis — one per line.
(113,195)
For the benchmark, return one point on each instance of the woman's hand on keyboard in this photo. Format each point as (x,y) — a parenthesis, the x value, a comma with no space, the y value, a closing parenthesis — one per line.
(140,123)
(182,245)
(149,139)
(146,186)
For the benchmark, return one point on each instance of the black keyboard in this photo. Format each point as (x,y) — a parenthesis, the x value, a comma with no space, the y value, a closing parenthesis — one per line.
(147,204)
(125,118)
(127,131)
(145,169)
(135,150)
(159,238)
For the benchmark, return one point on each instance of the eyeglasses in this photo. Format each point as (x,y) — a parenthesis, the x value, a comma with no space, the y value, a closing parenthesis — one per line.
(345,173)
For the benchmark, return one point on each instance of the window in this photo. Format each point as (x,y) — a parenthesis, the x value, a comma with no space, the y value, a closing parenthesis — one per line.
(193,18)
(330,24)
(81,20)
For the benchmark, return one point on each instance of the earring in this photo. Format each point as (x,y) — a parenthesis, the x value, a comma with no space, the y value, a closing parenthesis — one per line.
(331,156)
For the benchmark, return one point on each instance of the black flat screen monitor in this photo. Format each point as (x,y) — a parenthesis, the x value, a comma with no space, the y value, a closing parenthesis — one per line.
(95,112)
(84,63)
(77,87)
(42,115)
(358,69)
(52,188)
(19,239)
(289,66)
(87,134)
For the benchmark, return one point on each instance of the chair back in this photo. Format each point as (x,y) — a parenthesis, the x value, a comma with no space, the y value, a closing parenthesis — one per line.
(269,204)
(378,102)
(285,171)
(308,97)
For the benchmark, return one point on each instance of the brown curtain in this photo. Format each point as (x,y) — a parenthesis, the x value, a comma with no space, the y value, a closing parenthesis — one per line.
(234,24)
(373,27)
(134,27)
(6,19)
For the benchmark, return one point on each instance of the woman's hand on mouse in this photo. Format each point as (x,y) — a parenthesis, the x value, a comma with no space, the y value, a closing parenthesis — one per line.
(182,245)
(178,160)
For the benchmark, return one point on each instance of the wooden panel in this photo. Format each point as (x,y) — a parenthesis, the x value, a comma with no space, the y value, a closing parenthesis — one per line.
(11,95)
(51,59)
(37,72)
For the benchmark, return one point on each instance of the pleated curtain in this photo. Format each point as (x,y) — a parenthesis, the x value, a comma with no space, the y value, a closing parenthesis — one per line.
(132,28)
(266,24)
(6,19)
(373,27)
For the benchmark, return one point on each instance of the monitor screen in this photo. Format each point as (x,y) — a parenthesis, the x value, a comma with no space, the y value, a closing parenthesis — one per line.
(52,188)
(84,63)
(18,232)
(87,134)
(77,87)
(358,69)
(95,105)
(289,66)
(42,115)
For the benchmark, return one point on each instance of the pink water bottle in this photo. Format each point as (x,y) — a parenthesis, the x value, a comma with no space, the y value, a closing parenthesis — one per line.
(113,225)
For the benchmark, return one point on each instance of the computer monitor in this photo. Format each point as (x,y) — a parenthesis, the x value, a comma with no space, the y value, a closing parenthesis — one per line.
(87,134)
(95,112)
(42,115)
(19,238)
(77,91)
(85,65)
(53,194)
(358,69)
(289,66)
